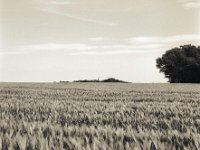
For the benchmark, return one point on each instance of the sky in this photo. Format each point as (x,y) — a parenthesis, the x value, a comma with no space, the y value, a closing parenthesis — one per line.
(53,40)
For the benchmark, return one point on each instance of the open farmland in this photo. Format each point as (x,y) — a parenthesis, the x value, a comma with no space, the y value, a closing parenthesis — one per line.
(99,116)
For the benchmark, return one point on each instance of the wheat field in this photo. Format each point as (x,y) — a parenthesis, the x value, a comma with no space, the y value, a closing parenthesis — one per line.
(99,116)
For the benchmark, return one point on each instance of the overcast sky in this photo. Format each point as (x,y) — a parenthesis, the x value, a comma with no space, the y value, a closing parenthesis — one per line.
(53,40)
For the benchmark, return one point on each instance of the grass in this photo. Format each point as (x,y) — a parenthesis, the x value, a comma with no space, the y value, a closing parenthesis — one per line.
(93,116)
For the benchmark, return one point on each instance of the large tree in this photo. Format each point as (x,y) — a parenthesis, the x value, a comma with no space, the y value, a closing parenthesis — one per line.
(181,64)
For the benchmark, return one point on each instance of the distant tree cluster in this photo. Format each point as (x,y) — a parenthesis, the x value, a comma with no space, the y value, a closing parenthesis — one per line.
(112,80)
(181,64)
(105,80)
(63,81)
(86,80)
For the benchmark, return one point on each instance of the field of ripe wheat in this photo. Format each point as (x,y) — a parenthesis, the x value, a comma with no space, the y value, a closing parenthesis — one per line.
(99,116)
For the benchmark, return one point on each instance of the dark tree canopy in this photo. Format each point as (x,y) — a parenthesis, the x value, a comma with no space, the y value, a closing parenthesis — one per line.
(105,80)
(181,64)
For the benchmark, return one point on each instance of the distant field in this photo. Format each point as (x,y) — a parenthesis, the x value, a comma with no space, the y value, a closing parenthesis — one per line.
(93,116)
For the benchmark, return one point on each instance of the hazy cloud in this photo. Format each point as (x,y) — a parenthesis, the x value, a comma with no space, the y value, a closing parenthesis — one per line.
(55,2)
(188,4)
(98,39)
(56,46)
(55,7)
(116,52)
(134,45)
(79,18)
(166,40)
(60,3)
(3,53)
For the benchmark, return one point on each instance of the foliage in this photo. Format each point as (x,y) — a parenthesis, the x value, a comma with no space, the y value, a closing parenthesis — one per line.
(87,80)
(105,80)
(99,116)
(181,65)
(113,80)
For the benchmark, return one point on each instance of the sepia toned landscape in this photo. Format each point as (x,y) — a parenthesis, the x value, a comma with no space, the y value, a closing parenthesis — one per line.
(99,116)
(100,75)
